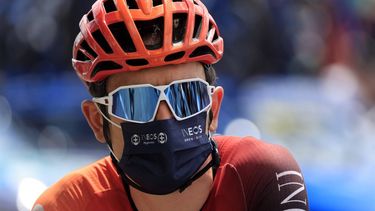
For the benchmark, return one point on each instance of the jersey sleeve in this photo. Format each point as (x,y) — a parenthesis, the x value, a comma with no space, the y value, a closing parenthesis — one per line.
(93,187)
(62,195)
(285,188)
(271,177)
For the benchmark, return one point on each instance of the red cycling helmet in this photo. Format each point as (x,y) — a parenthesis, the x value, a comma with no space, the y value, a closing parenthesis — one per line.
(129,35)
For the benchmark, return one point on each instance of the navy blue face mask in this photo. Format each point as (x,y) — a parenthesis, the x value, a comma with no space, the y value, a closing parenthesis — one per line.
(163,156)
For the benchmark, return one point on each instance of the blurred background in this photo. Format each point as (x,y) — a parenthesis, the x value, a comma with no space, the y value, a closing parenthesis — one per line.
(300,73)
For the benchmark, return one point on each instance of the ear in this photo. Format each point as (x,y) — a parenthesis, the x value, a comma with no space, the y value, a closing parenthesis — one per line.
(217,98)
(94,119)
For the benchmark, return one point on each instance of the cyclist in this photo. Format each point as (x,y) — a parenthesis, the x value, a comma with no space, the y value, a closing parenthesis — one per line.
(148,66)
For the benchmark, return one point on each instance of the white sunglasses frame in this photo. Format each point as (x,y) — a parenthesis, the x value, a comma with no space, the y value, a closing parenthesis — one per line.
(108,100)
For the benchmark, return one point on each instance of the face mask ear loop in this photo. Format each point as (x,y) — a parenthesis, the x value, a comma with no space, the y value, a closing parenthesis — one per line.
(214,163)
(208,119)
(215,150)
(196,176)
(215,157)
(110,121)
(106,118)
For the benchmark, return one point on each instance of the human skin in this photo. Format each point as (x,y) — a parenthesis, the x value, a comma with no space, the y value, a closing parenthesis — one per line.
(195,195)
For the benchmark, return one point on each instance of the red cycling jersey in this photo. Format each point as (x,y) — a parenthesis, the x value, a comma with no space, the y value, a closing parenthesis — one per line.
(252,175)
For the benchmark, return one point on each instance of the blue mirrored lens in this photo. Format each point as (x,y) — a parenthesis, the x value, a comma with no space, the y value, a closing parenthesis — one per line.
(136,104)
(188,98)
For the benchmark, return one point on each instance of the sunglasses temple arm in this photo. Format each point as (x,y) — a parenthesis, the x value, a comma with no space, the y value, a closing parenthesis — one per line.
(106,118)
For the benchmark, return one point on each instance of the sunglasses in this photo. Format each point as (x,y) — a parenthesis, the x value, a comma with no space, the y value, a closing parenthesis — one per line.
(139,103)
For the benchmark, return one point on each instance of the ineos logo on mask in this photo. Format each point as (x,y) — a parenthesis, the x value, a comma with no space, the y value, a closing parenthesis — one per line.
(162,138)
(149,138)
(192,133)
(135,139)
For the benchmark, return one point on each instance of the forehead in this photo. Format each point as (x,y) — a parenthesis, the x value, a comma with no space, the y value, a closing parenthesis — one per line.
(156,76)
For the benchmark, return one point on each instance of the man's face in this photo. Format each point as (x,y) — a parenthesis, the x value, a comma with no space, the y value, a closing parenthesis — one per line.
(155,76)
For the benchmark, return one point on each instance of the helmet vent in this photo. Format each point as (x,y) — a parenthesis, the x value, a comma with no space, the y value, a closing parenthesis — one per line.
(156,2)
(105,65)
(196,3)
(197,26)
(132,4)
(179,26)
(98,36)
(211,26)
(209,29)
(216,36)
(90,16)
(122,36)
(87,48)
(137,62)
(110,6)
(151,32)
(174,56)
(177,0)
(82,57)
(203,50)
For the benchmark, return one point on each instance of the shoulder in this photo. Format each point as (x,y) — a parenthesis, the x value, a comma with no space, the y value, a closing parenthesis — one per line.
(257,162)
(269,175)
(75,190)
(251,151)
